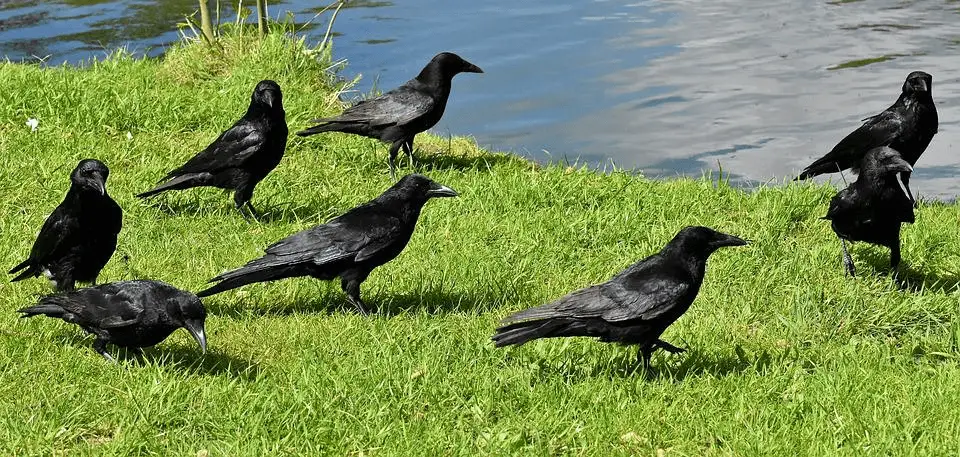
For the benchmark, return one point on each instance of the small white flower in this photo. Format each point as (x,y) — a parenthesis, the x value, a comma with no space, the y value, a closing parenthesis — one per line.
(33,123)
(129,136)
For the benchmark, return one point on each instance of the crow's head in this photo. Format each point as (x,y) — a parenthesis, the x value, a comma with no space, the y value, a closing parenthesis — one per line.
(268,95)
(90,176)
(918,82)
(702,241)
(188,312)
(417,188)
(446,65)
(885,160)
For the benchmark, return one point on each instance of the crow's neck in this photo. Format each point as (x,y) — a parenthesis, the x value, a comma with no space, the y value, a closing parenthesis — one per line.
(434,79)
(258,110)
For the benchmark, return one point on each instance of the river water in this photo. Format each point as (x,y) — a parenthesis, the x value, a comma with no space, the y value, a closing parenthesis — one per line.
(668,87)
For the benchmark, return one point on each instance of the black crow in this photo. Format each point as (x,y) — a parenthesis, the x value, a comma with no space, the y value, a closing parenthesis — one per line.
(872,208)
(397,116)
(349,246)
(131,314)
(632,308)
(79,237)
(907,126)
(242,155)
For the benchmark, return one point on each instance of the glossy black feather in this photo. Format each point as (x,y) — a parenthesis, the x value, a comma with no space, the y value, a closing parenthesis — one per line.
(349,246)
(907,126)
(79,237)
(872,208)
(632,308)
(242,155)
(131,314)
(400,114)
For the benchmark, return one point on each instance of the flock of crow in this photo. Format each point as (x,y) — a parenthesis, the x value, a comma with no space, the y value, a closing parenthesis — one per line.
(633,308)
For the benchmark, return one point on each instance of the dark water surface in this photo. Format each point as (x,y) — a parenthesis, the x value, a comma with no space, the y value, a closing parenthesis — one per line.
(670,86)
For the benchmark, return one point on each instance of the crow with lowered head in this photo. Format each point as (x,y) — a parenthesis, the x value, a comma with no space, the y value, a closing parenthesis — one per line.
(349,246)
(907,126)
(242,155)
(79,237)
(632,308)
(130,314)
(872,208)
(400,114)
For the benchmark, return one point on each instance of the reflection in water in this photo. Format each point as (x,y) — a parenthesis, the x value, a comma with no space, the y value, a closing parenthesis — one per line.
(669,86)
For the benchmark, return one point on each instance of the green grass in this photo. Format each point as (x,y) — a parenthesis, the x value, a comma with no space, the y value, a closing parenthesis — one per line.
(787,356)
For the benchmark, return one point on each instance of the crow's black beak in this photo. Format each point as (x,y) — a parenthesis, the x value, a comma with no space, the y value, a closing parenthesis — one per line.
(269,98)
(98,183)
(195,327)
(471,68)
(442,191)
(731,240)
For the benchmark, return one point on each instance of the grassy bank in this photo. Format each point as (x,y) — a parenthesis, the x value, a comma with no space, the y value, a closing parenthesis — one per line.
(787,356)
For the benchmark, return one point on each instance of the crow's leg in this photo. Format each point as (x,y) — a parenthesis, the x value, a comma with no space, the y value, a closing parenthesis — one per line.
(643,356)
(408,148)
(394,149)
(351,287)
(100,345)
(668,347)
(847,259)
(241,199)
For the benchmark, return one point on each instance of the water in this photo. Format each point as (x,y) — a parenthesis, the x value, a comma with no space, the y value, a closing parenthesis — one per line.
(669,87)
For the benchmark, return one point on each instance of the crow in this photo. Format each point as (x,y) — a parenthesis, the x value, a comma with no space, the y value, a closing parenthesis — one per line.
(242,155)
(397,116)
(872,208)
(632,308)
(80,236)
(907,126)
(349,246)
(131,314)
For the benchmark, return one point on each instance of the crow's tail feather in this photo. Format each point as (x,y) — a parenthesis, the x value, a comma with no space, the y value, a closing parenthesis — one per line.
(178,183)
(47,309)
(522,332)
(324,125)
(31,271)
(260,270)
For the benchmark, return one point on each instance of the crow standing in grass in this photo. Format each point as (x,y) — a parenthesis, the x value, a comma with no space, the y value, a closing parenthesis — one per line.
(131,314)
(872,208)
(80,236)
(349,246)
(907,126)
(397,116)
(634,307)
(242,155)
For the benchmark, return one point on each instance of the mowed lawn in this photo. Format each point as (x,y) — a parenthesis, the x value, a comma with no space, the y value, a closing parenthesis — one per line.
(786,355)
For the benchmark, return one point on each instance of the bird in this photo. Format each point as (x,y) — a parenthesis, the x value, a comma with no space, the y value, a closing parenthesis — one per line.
(907,126)
(873,207)
(130,314)
(241,156)
(79,237)
(349,246)
(400,114)
(632,308)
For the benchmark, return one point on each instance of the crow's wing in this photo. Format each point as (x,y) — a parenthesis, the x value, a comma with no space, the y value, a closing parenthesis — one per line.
(58,231)
(400,106)
(651,293)
(106,306)
(879,130)
(231,149)
(359,234)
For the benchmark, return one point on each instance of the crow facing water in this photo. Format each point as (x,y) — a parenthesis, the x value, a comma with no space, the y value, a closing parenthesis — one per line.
(397,116)
(632,308)
(130,314)
(349,246)
(242,155)
(907,126)
(79,237)
(872,208)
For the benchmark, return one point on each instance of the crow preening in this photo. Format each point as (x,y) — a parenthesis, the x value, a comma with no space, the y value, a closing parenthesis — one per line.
(349,246)
(242,155)
(907,126)
(80,236)
(872,208)
(632,308)
(397,116)
(130,314)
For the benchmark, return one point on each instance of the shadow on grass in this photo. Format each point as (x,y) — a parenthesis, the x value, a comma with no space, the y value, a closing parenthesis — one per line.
(668,367)
(427,162)
(907,277)
(185,358)
(283,212)
(331,301)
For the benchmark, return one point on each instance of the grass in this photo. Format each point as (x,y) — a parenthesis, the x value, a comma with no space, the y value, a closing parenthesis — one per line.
(787,356)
